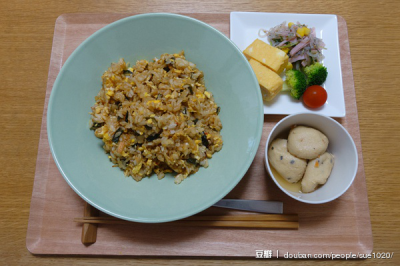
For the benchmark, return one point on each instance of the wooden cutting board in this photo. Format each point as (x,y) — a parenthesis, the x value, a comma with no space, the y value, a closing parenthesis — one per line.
(341,226)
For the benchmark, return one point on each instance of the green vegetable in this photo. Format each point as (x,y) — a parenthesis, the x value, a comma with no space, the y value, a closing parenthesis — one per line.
(295,82)
(316,74)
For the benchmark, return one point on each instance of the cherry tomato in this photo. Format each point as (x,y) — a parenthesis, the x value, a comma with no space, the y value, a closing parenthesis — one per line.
(315,96)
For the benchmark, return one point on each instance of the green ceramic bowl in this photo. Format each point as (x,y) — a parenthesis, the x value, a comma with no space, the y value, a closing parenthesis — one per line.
(79,154)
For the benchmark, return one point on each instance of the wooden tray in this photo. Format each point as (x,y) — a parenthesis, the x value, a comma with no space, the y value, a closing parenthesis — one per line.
(342,226)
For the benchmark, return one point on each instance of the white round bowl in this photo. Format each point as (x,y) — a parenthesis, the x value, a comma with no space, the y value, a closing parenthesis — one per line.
(341,145)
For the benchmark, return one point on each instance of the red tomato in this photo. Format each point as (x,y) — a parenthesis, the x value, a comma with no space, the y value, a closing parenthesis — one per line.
(315,96)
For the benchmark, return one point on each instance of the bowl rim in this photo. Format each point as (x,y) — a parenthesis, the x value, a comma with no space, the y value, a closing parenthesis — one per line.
(354,148)
(206,204)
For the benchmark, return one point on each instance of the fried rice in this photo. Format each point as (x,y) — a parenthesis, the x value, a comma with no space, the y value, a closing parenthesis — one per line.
(157,117)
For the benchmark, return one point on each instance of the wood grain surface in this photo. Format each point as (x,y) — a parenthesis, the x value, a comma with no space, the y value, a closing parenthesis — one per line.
(25,46)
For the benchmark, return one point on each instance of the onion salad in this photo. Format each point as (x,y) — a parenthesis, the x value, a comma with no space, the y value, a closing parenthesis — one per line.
(298,41)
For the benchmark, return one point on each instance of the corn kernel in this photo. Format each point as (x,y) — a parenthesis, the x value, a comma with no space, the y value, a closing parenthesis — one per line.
(177,71)
(289,66)
(306,31)
(197,141)
(200,95)
(290,24)
(300,32)
(136,169)
(286,50)
(107,137)
(149,121)
(110,93)
(207,94)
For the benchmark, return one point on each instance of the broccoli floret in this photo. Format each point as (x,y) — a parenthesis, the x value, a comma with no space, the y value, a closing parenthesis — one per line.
(295,82)
(316,74)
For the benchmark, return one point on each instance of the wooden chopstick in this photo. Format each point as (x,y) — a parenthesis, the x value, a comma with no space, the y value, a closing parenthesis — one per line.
(265,221)
(237,224)
(89,230)
(250,221)
(256,217)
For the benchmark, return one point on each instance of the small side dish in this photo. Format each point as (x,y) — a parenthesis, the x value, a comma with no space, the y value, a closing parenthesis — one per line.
(304,49)
(344,162)
(298,41)
(244,29)
(295,48)
(302,158)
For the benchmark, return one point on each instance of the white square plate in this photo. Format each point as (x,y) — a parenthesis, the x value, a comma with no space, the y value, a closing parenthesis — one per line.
(244,28)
